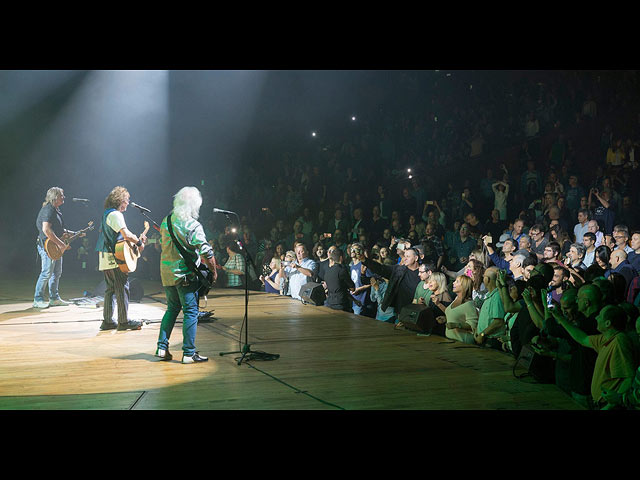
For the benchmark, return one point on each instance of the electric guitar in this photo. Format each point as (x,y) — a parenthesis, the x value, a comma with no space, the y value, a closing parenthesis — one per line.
(54,251)
(127,253)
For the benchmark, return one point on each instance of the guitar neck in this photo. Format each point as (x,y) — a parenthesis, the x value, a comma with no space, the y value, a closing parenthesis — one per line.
(78,233)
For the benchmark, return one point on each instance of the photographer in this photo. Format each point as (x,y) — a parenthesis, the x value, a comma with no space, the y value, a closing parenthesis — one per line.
(508,248)
(604,209)
(271,280)
(301,271)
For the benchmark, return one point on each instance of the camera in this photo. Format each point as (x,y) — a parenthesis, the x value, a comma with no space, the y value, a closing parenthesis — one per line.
(287,263)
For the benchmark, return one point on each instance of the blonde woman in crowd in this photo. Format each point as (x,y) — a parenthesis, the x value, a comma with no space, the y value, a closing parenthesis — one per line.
(461,314)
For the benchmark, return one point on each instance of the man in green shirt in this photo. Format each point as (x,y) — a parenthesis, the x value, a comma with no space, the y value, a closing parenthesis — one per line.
(423,294)
(614,370)
(491,323)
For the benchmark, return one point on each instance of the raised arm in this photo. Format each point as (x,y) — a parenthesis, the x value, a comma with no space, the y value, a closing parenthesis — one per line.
(577,334)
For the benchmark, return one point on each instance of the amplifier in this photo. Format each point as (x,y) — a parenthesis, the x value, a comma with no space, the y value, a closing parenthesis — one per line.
(313,293)
(417,317)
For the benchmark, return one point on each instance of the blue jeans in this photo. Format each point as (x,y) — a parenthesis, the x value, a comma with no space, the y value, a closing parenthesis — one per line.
(180,297)
(49,274)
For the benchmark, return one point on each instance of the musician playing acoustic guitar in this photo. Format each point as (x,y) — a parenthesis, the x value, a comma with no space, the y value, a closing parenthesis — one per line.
(114,229)
(50,227)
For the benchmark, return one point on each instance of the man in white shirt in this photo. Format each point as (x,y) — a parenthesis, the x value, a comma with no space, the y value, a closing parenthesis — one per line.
(582,226)
(589,241)
(302,271)
(594,228)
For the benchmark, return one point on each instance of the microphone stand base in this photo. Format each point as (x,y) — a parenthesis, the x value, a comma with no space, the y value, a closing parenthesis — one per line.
(248,355)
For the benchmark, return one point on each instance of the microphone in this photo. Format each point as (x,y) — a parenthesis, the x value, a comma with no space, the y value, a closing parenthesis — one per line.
(217,210)
(80,200)
(139,207)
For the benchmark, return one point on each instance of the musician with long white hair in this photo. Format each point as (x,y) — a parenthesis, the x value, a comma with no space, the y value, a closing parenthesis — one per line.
(179,281)
(50,227)
(114,229)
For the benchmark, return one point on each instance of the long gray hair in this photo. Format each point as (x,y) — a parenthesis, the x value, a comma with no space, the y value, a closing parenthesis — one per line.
(186,203)
(52,194)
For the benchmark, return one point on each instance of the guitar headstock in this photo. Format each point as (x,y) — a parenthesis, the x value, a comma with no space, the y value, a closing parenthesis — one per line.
(146,227)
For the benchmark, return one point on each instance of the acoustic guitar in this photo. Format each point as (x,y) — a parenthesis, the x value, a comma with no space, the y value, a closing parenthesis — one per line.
(127,253)
(54,252)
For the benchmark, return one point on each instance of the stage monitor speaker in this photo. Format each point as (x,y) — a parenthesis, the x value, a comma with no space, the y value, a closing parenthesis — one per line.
(418,318)
(313,293)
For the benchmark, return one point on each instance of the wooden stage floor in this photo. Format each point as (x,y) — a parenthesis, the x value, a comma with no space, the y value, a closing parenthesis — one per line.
(57,359)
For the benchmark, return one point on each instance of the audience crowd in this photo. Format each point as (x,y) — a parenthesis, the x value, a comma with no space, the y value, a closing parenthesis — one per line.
(506,207)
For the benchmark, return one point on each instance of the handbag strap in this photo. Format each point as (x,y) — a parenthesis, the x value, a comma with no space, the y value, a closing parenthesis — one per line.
(192,266)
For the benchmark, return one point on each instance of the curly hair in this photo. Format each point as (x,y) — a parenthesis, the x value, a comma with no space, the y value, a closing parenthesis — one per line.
(116,197)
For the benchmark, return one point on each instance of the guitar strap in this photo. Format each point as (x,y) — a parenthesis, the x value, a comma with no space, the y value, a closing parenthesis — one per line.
(192,266)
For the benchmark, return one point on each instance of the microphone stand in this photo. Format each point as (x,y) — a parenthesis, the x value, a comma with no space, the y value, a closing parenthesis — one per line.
(246,351)
(155,225)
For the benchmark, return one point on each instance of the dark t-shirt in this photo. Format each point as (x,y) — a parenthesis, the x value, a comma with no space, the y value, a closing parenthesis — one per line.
(605,217)
(323,265)
(407,289)
(50,214)
(338,281)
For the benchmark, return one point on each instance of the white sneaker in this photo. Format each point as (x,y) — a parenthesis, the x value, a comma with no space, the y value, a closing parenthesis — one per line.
(40,304)
(163,354)
(195,358)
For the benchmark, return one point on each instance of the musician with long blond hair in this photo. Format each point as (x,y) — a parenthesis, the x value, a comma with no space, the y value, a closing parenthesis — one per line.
(50,227)
(113,229)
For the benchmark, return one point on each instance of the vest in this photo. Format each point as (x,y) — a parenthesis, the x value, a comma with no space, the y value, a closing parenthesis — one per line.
(107,236)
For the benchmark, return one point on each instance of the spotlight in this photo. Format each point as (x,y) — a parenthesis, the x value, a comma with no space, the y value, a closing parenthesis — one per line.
(353,118)
(409,170)
(313,134)
(410,176)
